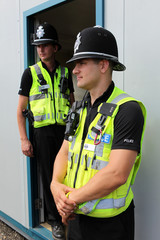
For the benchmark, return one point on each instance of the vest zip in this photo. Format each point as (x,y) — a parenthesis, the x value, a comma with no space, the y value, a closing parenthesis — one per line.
(82,144)
(54,100)
(74,184)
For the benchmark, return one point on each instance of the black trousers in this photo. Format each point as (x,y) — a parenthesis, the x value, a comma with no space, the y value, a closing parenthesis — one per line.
(120,227)
(47,142)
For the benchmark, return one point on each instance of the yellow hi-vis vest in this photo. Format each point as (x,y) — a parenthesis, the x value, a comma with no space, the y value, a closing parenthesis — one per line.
(86,158)
(53,106)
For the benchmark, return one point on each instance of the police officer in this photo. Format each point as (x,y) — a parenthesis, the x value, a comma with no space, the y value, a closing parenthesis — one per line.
(101,156)
(48,89)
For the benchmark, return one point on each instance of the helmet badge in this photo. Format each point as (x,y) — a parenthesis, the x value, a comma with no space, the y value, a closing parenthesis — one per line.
(40,32)
(77,43)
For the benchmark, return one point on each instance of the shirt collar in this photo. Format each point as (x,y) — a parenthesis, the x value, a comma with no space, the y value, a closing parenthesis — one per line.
(56,66)
(103,98)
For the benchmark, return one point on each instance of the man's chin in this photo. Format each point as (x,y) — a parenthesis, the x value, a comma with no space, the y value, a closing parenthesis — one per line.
(81,86)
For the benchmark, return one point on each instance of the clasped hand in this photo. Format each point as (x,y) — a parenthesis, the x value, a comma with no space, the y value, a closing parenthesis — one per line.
(65,206)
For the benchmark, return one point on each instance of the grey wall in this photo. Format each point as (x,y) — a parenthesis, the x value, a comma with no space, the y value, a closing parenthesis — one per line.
(136,26)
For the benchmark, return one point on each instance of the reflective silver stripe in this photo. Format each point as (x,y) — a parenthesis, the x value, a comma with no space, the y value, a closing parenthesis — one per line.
(96,53)
(36,97)
(120,97)
(98,164)
(104,204)
(37,68)
(69,156)
(43,87)
(60,114)
(99,149)
(76,159)
(73,142)
(42,40)
(62,71)
(79,110)
(40,118)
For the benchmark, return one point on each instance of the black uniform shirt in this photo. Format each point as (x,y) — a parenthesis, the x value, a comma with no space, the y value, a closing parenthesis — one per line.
(128,123)
(26,80)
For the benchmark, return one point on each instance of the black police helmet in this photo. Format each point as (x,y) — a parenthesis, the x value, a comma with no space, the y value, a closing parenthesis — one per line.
(97,42)
(46,33)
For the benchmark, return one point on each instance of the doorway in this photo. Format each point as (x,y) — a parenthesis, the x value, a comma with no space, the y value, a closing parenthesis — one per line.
(69,18)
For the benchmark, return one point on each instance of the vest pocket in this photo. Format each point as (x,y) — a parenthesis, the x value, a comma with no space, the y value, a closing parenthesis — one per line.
(62,107)
(42,108)
(71,169)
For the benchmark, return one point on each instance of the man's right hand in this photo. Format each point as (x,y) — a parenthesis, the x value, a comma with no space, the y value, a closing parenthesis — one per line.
(27,148)
(64,205)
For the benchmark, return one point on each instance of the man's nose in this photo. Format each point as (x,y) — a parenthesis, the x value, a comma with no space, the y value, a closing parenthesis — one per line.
(75,69)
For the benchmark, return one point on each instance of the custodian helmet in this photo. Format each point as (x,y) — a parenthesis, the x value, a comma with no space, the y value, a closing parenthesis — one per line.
(97,42)
(46,33)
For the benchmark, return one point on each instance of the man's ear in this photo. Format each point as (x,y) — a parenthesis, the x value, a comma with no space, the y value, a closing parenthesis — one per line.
(104,65)
(55,47)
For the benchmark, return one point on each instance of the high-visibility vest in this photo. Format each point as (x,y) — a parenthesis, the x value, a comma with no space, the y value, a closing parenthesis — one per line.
(86,158)
(52,106)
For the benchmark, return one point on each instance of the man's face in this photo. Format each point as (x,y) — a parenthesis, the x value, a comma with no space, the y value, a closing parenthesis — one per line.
(87,73)
(46,52)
